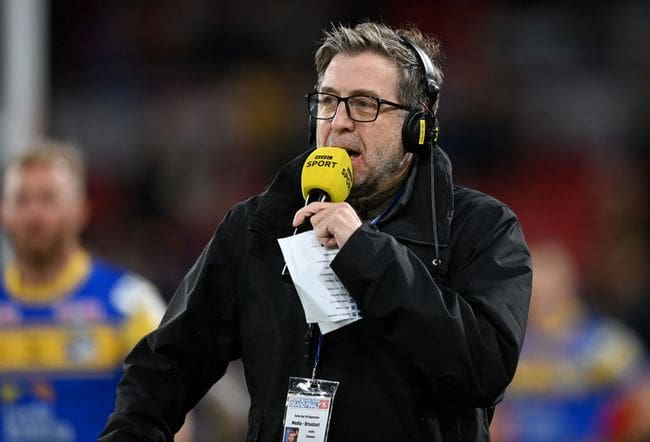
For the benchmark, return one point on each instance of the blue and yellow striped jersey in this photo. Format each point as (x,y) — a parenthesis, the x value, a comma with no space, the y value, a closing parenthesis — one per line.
(62,344)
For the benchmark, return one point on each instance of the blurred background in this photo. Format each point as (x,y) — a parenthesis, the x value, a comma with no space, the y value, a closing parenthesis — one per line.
(185,108)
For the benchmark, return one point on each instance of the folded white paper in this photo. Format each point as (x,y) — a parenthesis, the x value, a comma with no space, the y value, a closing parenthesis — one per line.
(324,298)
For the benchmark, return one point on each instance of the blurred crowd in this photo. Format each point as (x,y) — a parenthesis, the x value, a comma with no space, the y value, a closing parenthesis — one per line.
(184,108)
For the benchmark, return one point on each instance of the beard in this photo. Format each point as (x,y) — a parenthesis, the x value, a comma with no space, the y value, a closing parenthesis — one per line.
(389,169)
(38,251)
(383,164)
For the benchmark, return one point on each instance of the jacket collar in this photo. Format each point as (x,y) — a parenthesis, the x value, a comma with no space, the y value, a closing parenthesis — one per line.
(280,201)
(410,219)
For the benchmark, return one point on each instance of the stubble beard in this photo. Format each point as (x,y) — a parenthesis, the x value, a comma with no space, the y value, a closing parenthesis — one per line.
(389,163)
(39,257)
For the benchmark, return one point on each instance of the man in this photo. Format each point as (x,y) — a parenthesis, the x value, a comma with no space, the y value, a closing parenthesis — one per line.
(292,435)
(575,363)
(444,303)
(66,319)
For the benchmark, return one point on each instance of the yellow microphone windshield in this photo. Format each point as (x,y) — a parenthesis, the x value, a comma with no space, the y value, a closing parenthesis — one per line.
(328,169)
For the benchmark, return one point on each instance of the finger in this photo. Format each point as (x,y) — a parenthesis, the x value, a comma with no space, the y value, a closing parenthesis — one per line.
(300,217)
(306,212)
(322,234)
(331,243)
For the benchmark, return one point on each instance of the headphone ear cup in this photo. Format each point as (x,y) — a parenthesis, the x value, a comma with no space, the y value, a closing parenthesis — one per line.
(414,131)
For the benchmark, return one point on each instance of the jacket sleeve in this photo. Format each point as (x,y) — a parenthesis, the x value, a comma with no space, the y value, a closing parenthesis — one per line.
(170,369)
(466,337)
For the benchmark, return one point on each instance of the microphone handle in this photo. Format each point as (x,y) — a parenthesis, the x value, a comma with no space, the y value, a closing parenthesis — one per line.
(317,195)
(314,196)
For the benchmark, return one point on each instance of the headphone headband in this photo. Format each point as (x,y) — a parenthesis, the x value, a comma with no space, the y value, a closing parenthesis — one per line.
(431,85)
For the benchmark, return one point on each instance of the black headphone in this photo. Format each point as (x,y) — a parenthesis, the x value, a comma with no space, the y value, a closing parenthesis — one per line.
(420,128)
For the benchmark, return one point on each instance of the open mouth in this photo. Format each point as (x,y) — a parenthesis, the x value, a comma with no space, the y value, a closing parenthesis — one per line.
(352,153)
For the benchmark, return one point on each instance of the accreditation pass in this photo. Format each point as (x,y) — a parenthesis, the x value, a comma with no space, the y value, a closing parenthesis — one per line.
(308,410)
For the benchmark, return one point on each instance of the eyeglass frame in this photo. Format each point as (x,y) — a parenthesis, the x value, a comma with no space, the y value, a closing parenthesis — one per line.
(379,101)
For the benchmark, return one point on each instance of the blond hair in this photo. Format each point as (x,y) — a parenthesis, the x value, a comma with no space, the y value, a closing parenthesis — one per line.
(51,152)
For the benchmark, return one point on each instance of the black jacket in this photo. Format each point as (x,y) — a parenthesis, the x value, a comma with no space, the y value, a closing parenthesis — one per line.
(432,355)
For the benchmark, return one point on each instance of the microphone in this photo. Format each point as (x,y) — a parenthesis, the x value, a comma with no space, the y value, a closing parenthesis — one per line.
(326,176)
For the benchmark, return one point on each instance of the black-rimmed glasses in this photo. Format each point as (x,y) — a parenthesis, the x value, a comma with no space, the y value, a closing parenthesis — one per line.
(361,108)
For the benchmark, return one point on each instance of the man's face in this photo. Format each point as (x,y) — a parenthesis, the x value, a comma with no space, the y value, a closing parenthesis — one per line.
(292,436)
(42,209)
(375,148)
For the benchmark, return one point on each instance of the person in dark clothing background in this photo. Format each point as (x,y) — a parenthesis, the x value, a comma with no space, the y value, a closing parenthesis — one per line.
(441,275)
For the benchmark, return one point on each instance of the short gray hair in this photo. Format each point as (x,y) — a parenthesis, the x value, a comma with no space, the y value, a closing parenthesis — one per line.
(383,40)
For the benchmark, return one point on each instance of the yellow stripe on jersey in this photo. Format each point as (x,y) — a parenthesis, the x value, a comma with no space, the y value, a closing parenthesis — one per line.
(65,348)
(75,271)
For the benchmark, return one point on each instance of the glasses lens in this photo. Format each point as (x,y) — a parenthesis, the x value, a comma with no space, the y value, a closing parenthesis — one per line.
(363,108)
(322,106)
(360,107)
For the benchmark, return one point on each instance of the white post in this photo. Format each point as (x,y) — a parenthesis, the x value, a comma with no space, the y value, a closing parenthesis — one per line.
(23,34)
(25,72)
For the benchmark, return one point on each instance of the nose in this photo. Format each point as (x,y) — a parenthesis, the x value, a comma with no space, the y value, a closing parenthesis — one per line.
(342,120)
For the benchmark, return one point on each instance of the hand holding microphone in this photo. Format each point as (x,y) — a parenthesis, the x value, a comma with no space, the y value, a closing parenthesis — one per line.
(333,223)
(326,182)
